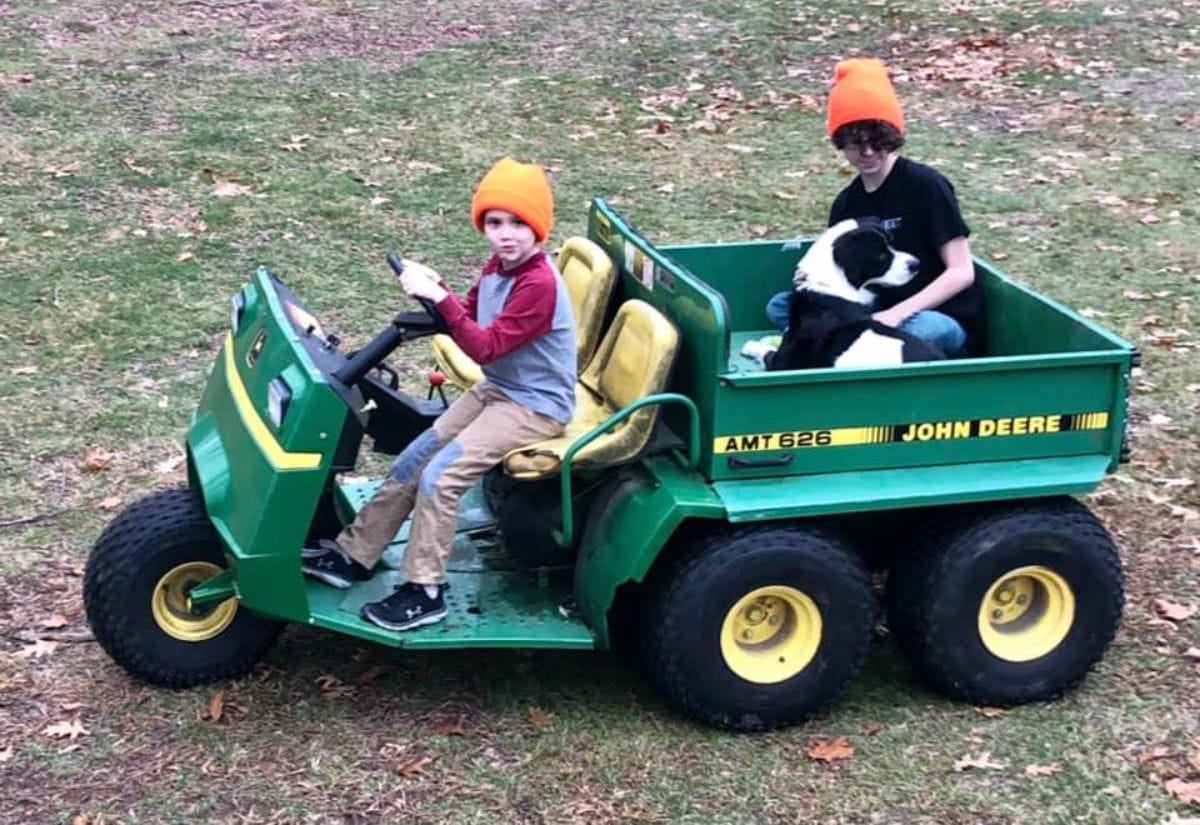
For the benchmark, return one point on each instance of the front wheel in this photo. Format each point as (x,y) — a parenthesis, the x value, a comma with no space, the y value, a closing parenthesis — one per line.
(1010,605)
(755,629)
(135,592)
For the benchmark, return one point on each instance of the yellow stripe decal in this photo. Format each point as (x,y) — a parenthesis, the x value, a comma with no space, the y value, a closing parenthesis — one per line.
(262,436)
(913,431)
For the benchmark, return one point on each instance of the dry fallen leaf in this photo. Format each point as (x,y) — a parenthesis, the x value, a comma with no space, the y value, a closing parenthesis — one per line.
(831,751)
(982,762)
(871,728)
(229,189)
(95,461)
(1043,770)
(72,730)
(1192,653)
(990,712)
(110,503)
(184,256)
(1137,295)
(6,754)
(1174,611)
(539,718)
(414,767)
(368,677)
(24,370)
(454,728)
(55,621)
(216,706)
(38,650)
(1156,752)
(1186,792)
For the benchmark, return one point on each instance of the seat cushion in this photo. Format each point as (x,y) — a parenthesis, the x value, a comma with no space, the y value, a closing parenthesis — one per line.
(460,368)
(634,360)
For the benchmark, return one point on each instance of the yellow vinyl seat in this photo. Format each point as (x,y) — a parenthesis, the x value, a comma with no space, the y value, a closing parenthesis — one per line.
(588,275)
(633,361)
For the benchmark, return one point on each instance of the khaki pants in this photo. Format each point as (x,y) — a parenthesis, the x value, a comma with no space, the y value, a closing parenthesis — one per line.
(430,477)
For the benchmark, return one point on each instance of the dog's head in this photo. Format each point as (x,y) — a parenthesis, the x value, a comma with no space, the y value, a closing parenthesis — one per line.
(852,258)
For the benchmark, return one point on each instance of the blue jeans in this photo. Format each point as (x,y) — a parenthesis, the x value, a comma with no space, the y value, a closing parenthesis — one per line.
(930,326)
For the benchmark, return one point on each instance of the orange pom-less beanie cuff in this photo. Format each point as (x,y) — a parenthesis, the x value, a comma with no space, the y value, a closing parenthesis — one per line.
(520,188)
(862,91)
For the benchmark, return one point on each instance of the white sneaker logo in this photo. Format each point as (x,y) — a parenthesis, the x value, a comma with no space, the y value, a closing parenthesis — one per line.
(412,611)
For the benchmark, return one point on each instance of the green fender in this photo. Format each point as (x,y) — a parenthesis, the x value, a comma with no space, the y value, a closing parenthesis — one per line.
(631,519)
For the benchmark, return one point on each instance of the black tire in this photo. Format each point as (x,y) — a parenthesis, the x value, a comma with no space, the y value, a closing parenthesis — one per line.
(153,537)
(1055,553)
(690,604)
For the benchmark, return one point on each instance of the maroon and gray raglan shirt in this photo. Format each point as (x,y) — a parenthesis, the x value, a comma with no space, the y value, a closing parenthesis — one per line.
(519,327)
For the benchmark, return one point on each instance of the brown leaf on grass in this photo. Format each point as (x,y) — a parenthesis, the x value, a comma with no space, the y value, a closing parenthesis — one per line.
(1150,755)
(229,189)
(110,503)
(1137,295)
(990,712)
(1186,792)
(999,256)
(414,767)
(368,677)
(1192,653)
(216,706)
(31,370)
(982,762)
(6,754)
(446,728)
(40,649)
(55,621)
(184,256)
(830,751)
(97,461)
(871,728)
(1174,611)
(67,730)
(132,167)
(539,718)
(1043,770)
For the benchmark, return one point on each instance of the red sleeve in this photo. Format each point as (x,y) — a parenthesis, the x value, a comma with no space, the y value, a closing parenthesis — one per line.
(528,313)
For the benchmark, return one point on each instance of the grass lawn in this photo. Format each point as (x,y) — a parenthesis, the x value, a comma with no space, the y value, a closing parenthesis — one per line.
(153,154)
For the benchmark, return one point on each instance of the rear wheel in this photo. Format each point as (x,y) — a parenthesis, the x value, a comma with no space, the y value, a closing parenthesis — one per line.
(1010,605)
(136,587)
(759,628)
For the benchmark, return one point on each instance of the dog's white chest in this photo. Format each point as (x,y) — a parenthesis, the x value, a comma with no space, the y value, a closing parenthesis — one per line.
(871,350)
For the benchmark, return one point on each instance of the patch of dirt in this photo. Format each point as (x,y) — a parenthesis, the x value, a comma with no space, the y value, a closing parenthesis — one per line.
(273,31)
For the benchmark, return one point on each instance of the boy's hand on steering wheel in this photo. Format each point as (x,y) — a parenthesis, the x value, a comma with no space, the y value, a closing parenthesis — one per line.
(420,281)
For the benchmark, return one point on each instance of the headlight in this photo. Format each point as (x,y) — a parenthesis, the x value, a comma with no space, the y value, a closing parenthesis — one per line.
(238,306)
(278,396)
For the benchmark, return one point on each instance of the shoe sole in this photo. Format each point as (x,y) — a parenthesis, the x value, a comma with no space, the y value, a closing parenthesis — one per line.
(430,618)
(328,578)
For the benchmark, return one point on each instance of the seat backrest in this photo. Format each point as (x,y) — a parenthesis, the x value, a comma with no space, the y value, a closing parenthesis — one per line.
(589,276)
(634,360)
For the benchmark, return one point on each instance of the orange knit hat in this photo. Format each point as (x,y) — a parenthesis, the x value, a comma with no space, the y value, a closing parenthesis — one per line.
(862,91)
(520,188)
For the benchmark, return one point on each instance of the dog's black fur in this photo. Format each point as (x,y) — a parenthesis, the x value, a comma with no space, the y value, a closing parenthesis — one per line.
(822,327)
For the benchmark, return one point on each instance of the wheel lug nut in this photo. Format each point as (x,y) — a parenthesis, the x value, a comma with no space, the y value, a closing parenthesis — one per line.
(1022,599)
(997,614)
(748,634)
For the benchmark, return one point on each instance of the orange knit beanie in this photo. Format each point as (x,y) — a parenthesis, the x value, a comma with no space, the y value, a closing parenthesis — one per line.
(520,188)
(862,91)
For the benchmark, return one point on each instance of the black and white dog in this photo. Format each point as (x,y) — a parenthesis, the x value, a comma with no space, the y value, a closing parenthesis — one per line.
(829,314)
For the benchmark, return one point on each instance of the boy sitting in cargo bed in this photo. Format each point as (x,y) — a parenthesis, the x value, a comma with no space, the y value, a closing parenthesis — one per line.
(944,304)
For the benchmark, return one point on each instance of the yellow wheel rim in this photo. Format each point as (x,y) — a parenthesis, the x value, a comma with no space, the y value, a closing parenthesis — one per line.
(172,608)
(771,634)
(1026,613)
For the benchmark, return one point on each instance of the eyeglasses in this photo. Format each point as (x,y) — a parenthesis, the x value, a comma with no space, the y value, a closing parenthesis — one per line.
(862,144)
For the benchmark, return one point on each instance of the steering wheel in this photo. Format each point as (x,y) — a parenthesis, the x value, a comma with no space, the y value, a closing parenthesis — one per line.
(397,265)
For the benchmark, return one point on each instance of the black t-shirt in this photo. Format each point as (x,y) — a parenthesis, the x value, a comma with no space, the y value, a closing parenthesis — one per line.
(918,207)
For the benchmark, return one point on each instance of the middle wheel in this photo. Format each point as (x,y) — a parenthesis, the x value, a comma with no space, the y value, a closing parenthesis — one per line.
(757,628)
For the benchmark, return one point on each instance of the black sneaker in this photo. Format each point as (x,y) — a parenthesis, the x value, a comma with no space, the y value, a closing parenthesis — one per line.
(330,564)
(408,608)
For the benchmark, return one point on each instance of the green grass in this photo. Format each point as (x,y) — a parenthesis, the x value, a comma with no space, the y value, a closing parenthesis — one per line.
(361,127)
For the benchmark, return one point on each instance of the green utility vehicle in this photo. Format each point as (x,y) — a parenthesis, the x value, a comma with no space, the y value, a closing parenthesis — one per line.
(725,520)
